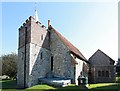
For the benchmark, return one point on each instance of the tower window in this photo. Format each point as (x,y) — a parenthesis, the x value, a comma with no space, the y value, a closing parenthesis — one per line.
(51,63)
(41,55)
(41,37)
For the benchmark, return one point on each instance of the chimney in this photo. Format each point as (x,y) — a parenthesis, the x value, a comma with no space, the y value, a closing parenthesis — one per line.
(49,23)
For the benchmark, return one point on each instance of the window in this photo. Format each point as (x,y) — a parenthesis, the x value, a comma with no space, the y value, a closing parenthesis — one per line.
(41,37)
(99,73)
(51,63)
(103,73)
(107,73)
(41,55)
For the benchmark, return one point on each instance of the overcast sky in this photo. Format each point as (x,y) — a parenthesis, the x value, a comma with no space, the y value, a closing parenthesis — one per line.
(87,25)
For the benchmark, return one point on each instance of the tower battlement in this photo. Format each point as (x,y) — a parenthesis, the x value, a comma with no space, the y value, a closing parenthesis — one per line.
(30,19)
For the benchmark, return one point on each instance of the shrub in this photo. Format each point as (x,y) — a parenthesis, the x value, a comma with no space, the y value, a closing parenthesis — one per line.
(118,79)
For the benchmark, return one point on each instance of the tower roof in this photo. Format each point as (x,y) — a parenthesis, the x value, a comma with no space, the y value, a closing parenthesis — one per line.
(36,15)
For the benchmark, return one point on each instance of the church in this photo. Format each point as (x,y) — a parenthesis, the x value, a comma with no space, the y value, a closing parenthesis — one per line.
(45,53)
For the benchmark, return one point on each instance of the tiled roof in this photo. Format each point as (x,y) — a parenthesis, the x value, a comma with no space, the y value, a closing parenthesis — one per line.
(71,47)
(96,53)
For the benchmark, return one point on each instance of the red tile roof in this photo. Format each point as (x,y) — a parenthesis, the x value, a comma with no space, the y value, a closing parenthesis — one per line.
(71,47)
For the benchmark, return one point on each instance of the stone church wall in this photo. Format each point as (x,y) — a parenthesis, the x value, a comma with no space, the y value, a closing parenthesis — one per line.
(20,68)
(39,64)
(111,74)
(62,66)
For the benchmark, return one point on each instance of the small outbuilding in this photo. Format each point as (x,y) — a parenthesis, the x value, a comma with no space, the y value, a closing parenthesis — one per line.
(102,68)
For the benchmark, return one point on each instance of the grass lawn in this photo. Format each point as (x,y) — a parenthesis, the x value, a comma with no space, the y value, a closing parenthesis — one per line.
(10,85)
(42,87)
(50,88)
(105,86)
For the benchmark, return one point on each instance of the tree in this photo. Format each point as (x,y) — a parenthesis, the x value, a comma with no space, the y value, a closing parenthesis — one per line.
(9,65)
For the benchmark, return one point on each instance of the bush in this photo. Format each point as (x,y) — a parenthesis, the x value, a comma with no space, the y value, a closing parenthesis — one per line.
(118,79)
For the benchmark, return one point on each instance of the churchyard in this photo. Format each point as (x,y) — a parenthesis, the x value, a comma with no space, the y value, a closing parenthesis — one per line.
(10,85)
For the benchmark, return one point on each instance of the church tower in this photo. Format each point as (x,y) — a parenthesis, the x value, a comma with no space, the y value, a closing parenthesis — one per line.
(33,52)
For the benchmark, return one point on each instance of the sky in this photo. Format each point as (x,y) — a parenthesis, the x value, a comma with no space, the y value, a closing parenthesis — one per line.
(87,25)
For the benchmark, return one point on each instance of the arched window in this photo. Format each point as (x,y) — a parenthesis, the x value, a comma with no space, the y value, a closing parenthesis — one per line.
(103,73)
(99,73)
(107,73)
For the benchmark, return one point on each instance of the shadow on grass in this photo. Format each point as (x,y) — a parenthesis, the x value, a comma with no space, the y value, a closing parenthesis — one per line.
(8,84)
(112,87)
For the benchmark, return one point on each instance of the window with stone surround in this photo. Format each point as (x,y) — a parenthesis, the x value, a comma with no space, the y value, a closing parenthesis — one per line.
(41,55)
(41,37)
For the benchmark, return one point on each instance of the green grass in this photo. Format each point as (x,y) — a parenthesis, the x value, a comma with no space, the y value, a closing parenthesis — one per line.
(10,85)
(118,79)
(50,88)
(100,85)
(42,87)
(105,86)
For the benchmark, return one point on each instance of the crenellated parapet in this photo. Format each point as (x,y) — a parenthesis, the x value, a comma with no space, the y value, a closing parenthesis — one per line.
(28,21)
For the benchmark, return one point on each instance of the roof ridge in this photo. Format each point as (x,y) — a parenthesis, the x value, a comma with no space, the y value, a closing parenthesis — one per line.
(105,54)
